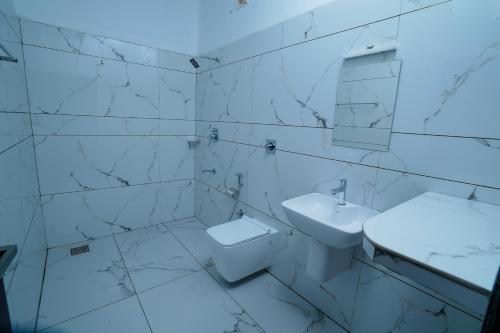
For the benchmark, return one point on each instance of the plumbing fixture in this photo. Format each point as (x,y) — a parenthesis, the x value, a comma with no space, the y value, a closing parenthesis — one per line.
(214,135)
(340,190)
(270,146)
(194,62)
(192,143)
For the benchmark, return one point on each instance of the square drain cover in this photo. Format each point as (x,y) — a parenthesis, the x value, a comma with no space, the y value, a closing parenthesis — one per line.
(79,250)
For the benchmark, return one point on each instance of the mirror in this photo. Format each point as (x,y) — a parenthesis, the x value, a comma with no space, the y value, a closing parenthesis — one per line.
(366,98)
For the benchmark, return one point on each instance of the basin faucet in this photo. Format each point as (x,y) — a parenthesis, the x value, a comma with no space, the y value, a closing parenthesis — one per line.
(340,190)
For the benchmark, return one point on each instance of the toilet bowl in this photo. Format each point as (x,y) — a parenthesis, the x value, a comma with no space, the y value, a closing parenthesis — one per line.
(241,247)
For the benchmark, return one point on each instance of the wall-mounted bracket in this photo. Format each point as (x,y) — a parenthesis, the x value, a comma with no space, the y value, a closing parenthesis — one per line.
(270,146)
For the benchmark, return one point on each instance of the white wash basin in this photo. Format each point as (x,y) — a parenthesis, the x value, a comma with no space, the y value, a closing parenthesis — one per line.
(320,216)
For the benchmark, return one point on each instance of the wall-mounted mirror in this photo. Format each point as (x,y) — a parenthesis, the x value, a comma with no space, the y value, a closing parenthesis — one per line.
(366,98)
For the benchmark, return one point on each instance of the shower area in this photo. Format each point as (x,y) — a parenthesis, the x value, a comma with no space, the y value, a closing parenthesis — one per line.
(115,158)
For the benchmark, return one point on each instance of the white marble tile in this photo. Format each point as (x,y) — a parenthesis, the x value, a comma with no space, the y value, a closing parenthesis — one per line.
(45,124)
(24,294)
(177,93)
(211,206)
(411,5)
(76,163)
(176,158)
(192,233)
(13,95)
(153,257)
(83,85)
(9,27)
(270,39)
(313,141)
(275,178)
(288,89)
(14,127)
(394,188)
(456,75)
(177,127)
(74,285)
(228,159)
(337,16)
(18,177)
(58,38)
(275,307)
(242,48)
(386,304)
(15,219)
(214,311)
(177,200)
(119,317)
(80,216)
(36,237)
(474,161)
(236,132)
(224,93)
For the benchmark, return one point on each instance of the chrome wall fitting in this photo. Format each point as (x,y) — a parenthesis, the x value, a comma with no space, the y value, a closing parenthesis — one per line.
(270,146)
(214,135)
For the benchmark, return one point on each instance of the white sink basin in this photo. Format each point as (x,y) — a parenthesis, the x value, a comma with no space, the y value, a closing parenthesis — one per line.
(320,216)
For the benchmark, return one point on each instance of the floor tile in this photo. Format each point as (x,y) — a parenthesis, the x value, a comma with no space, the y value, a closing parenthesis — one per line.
(194,304)
(153,256)
(192,233)
(77,284)
(123,316)
(275,307)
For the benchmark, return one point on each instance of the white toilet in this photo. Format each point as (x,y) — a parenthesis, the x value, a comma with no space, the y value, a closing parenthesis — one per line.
(241,247)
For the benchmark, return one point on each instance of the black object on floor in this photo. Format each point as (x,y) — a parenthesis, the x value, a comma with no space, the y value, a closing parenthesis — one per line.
(7,254)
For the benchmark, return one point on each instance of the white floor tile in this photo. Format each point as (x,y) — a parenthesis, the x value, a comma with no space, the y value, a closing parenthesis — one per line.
(77,284)
(153,256)
(123,316)
(275,307)
(192,233)
(195,303)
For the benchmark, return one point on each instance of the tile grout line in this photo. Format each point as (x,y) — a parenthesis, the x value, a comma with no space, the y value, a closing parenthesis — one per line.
(132,283)
(41,290)
(217,282)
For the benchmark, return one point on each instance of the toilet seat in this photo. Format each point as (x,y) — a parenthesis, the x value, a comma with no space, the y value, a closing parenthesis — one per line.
(241,247)
(239,231)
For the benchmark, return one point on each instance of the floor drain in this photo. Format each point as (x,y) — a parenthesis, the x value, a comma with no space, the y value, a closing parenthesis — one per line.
(79,250)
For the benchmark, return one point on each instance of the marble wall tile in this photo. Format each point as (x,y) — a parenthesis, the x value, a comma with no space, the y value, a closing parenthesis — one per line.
(80,163)
(384,304)
(62,39)
(177,127)
(474,161)
(332,18)
(110,319)
(46,124)
(36,239)
(177,95)
(313,141)
(211,206)
(18,177)
(23,295)
(13,95)
(9,27)
(456,77)
(287,90)
(235,132)
(177,200)
(81,216)
(193,235)
(271,179)
(176,158)
(14,128)
(154,257)
(411,5)
(167,305)
(394,188)
(228,159)
(224,93)
(91,280)
(83,85)
(240,49)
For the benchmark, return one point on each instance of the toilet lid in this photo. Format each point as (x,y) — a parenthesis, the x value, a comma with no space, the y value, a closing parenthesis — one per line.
(238,231)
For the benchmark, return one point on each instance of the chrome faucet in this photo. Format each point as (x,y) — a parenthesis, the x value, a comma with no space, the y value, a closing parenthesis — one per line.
(340,190)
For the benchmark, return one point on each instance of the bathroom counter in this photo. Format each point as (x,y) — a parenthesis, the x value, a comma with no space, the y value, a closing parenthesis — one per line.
(454,239)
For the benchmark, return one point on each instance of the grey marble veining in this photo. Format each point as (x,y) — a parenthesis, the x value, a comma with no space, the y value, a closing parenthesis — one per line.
(13,96)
